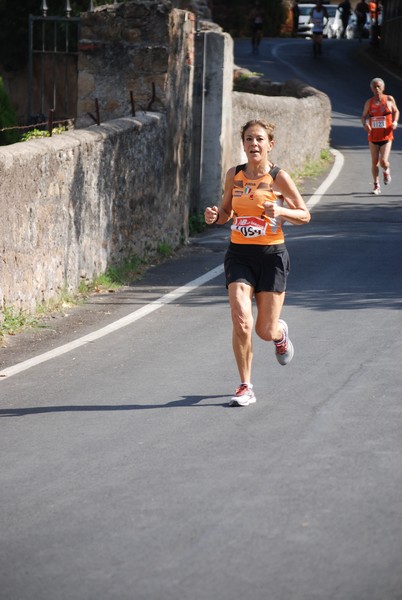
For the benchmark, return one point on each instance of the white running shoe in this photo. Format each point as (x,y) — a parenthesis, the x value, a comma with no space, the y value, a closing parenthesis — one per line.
(284,350)
(387,177)
(244,396)
(376,189)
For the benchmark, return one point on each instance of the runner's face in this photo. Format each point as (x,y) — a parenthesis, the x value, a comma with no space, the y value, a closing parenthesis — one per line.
(377,88)
(256,143)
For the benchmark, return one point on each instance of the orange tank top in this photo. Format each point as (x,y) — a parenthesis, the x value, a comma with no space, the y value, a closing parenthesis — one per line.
(250,223)
(380,121)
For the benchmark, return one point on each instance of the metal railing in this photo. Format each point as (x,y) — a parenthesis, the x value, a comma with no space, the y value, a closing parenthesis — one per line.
(53,50)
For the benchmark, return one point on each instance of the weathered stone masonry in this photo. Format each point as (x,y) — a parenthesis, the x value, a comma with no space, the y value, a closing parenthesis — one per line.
(76,203)
(126,48)
(73,204)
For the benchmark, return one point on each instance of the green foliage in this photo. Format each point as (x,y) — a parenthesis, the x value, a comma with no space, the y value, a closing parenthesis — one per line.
(246,75)
(196,223)
(41,133)
(313,168)
(34,134)
(325,155)
(13,321)
(121,274)
(164,250)
(8,118)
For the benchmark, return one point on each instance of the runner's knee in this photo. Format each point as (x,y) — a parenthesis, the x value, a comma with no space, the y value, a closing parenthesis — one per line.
(266,331)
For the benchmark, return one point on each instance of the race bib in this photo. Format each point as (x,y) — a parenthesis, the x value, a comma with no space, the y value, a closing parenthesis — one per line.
(250,227)
(378,122)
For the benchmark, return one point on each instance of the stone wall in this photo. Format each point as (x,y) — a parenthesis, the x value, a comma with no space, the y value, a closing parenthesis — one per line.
(144,47)
(75,203)
(301,115)
(129,48)
(212,145)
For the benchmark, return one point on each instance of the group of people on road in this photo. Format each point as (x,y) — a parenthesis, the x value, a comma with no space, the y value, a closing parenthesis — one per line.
(258,198)
(319,18)
(364,12)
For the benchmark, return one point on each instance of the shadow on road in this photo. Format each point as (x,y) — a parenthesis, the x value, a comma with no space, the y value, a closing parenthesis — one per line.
(186,401)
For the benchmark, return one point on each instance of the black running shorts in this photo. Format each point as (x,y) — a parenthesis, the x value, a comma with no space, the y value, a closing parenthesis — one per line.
(382,143)
(265,268)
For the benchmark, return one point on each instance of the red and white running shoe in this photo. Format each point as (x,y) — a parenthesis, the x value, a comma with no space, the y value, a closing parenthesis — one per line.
(244,396)
(387,177)
(376,188)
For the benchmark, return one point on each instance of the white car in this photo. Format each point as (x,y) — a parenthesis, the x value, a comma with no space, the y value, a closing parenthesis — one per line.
(334,27)
(305,28)
(351,29)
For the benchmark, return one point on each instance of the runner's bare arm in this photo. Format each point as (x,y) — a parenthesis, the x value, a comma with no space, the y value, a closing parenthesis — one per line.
(296,211)
(365,115)
(395,112)
(224,213)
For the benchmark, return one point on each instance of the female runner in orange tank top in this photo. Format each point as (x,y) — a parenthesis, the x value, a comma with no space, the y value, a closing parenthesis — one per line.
(380,119)
(257,197)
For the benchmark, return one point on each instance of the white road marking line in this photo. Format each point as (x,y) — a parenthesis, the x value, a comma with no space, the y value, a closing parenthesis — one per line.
(123,322)
(155,304)
(336,169)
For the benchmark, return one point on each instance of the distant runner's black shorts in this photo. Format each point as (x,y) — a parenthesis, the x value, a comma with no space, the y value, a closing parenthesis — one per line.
(265,268)
(382,143)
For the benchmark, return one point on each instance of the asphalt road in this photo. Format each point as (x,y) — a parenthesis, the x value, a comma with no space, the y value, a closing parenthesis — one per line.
(125,476)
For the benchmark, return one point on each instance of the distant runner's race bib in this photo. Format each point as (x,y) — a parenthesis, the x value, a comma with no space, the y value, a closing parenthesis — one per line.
(378,122)
(250,227)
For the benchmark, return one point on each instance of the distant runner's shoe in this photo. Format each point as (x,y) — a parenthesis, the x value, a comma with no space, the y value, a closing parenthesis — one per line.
(387,177)
(284,350)
(244,396)
(376,189)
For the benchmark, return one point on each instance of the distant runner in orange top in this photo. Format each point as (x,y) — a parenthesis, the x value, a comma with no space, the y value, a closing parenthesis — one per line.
(380,119)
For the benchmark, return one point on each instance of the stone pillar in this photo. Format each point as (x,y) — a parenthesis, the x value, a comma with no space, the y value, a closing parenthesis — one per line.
(213,117)
(123,48)
(144,47)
